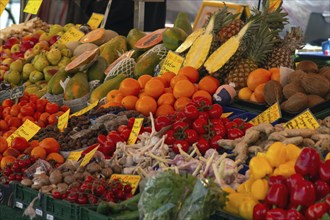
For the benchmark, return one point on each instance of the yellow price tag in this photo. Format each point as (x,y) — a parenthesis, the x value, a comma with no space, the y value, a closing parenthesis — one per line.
(304,120)
(132,179)
(95,20)
(32,7)
(3,4)
(74,155)
(88,157)
(172,63)
(84,110)
(63,120)
(271,114)
(27,130)
(73,34)
(226,114)
(135,131)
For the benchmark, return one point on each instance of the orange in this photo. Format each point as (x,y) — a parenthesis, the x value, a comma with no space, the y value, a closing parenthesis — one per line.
(168,76)
(145,105)
(168,90)
(202,93)
(154,88)
(163,80)
(183,88)
(143,80)
(190,72)
(6,160)
(129,86)
(50,145)
(253,98)
(166,98)
(114,96)
(257,77)
(165,109)
(275,74)
(58,158)
(209,84)
(142,93)
(259,93)
(38,152)
(129,102)
(176,79)
(111,104)
(244,93)
(180,103)
(3,144)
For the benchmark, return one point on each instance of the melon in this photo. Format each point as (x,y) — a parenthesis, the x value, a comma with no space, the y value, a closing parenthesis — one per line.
(82,62)
(150,39)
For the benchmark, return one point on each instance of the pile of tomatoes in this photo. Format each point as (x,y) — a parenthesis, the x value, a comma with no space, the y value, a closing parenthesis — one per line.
(40,111)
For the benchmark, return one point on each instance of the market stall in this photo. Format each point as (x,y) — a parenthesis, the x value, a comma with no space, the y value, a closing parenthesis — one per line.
(216,120)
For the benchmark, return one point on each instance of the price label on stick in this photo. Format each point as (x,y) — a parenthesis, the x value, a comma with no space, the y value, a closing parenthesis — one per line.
(226,114)
(3,4)
(27,130)
(32,7)
(63,120)
(95,20)
(73,34)
(271,114)
(88,108)
(135,131)
(304,120)
(132,179)
(172,63)
(88,157)
(75,156)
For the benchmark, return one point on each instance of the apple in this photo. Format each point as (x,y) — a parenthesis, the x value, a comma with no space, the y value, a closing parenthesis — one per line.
(45,36)
(7,61)
(42,45)
(10,42)
(5,53)
(38,33)
(29,54)
(15,48)
(29,38)
(53,39)
(4,67)
(27,45)
(36,76)
(17,55)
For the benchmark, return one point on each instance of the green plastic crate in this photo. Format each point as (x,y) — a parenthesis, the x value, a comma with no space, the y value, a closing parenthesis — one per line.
(24,195)
(14,213)
(91,214)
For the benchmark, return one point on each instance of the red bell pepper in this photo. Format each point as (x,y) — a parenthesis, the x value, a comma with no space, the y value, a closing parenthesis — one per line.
(322,189)
(293,214)
(293,180)
(308,162)
(276,214)
(276,179)
(317,211)
(325,171)
(278,195)
(303,194)
(259,211)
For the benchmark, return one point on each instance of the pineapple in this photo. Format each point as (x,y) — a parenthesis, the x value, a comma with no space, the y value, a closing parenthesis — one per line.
(282,55)
(230,29)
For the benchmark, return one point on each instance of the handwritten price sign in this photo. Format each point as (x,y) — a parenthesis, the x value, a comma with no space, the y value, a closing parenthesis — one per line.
(84,110)
(3,4)
(271,114)
(304,120)
(27,130)
(88,157)
(95,20)
(63,120)
(135,131)
(32,7)
(172,63)
(74,155)
(73,34)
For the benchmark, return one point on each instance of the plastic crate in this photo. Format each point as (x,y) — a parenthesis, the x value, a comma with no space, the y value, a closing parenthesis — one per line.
(225,216)
(7,194)
(14,213)
(23,196)
(91,214)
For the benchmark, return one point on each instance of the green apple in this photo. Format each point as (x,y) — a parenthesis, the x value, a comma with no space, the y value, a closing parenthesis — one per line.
(54,56)
(41,45)
(15,48)
(45,36)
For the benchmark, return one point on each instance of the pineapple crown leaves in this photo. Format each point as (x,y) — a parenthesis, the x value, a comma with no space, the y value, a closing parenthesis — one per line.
(293,39)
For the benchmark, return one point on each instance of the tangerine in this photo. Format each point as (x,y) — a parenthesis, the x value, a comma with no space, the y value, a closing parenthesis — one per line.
(275,74)
(129,102)
(113,95)
(257,77)
(183,88)
(129,86)
(176,79)
(50,145)
(38,152)
(145,105)
(166,98)
(168,90)
(245,93)
(165,109)
(180,103)
(168,76)
(143,80)
(202,93)
(209,84)
(190,72)
(259,93)
(154,88)
(253,98)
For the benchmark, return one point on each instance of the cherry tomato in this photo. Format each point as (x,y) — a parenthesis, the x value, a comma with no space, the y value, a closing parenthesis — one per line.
(216,121)
(147,129)
(161,121)
(219,130)
(170,139)
(204,115)
(51,108)
(99,190)
(199,125)
(230,125)
(92,199)
(239,121)
(215,111)
(234,133)
(246,126)
(203,145)
(180,125)
(184,146)
(23,102)
(127,189)
(56,195)
(191,136)
(101,139)
(214,142)
(191,112)
(201,101)
(72,197)
(82,199)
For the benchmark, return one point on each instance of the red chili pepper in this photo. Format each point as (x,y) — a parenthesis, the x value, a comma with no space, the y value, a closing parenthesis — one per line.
(278,195)
(308,162)
(89,149)
(276,214)
(317,211)
(293,180)
(325,171)
(322,189)
(303,194)
(276,180)
(294,215)
(259,211)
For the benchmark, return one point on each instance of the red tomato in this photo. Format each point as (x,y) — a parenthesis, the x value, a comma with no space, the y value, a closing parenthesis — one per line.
(203,145)
(215,111)
(214,142)
(41,105)
(64,108)
(191,112)
(52,119)
(19,143)
(6,112)
(15,110)
(184,146)
(7,103)
(27,110)
(170,139)
(199,125)
(191,136)
(52,108)
(180,125)
(161,121)
(37,115)
(234,133)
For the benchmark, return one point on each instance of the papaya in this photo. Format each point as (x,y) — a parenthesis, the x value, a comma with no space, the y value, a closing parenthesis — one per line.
(133,36)
(111,50)
(95,36)
(149,60)
(173,37)
(182,21)
(77,87)
(54,86)
(83,61)
(111,84)
(150,39)
(96,71)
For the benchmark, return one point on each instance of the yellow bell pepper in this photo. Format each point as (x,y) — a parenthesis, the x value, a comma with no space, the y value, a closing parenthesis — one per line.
(246,208)
(292,152)
(228,189)
(245,187)
(260,167)
(259,189)
(327,157)
(286,169)
(235,200)
(276,154)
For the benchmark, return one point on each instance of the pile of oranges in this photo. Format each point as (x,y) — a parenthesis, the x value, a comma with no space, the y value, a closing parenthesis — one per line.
(163,94)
